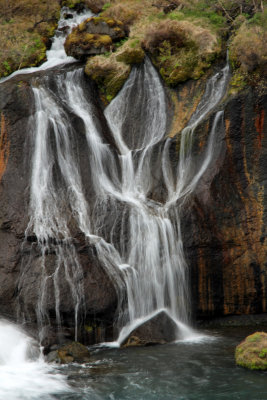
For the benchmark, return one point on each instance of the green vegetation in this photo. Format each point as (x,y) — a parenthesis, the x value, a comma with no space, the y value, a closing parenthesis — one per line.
(248,52)
(252,352)
(180,50)
(131,56)
(94,5)
(25,29)
(182,37)
(94,36)
(106,6)
(108,73)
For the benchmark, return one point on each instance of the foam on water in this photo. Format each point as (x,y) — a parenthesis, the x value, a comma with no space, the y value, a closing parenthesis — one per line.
(23,372)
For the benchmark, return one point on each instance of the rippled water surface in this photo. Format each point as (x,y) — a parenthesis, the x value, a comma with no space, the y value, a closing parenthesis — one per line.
(184,371)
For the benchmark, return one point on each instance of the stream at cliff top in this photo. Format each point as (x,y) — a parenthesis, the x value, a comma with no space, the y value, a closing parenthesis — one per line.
(202,370)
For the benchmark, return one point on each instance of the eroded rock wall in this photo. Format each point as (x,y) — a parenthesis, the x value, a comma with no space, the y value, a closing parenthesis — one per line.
(225,222)
(21,258)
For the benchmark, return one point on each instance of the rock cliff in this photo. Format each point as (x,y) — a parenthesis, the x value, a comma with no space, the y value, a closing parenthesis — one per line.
(223,225)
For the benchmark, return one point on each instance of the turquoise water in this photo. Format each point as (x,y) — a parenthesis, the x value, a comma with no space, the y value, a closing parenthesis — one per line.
(184,371)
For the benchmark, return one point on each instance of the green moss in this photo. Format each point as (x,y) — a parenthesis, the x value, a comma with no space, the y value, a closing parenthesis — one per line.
(252,352)
(106,6)
(109,21)
(259,19)
(86,41)
(131,56)
(88,328)
(256,337)
(134,43)
(25,42)
(70,3)
(109,75)
(181,64)
(263,353)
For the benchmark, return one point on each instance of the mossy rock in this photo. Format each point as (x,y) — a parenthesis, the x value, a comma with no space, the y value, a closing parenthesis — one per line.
(252,352)
(82,44)
(103,26)
(131,56)
(109,75)
(93,36)
(73,352)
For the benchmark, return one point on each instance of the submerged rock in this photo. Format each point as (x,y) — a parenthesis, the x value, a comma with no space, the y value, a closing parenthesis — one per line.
(72,352)
(252,352)
(160,329)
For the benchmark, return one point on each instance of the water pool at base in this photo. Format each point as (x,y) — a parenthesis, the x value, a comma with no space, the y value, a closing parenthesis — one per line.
(181,371)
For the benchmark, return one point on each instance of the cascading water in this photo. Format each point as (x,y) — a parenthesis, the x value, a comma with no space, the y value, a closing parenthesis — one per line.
(141,247)
(188,172)
(23,372)
(136,237)
(146,258)
(56,55)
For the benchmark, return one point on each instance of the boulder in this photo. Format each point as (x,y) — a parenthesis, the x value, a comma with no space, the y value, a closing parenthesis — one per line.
(252,352)
(160,329)
(71,352)
(93,36)
(103,26)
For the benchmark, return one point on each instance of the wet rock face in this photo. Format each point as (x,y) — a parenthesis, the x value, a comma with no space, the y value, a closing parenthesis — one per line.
(21,258)
(15,106)
(160,329)
(224,223)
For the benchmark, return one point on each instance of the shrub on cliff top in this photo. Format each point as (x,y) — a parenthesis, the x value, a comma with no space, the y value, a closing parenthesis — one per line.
(130,11)
(248,48)
(248,52)
(180,50)
(95,5)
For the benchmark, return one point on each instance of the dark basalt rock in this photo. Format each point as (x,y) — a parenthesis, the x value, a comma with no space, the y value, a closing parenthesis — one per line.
(224,222)
(16,251)
(160,329)
(71,352)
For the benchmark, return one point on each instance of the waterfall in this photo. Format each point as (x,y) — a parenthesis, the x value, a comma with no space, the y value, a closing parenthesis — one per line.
(188,172)
(141,248)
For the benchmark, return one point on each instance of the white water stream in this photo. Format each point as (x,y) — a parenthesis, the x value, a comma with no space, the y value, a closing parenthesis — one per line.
(56,55)
(147,260)
(142,248)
